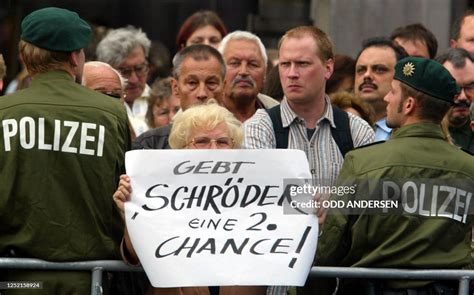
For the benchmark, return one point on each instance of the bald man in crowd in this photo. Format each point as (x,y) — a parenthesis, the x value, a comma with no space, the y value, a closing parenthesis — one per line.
(102,77)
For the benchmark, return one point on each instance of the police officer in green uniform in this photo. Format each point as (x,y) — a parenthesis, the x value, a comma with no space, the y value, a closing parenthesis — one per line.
(62,150)
(430,181)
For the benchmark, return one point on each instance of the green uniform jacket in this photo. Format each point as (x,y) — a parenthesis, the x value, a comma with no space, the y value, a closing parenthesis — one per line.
(62,150)
(415,152)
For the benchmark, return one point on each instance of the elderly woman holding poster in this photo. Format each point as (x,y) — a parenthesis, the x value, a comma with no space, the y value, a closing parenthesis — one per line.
(207,126)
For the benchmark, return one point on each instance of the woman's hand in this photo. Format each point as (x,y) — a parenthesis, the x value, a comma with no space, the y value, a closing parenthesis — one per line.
(122,194)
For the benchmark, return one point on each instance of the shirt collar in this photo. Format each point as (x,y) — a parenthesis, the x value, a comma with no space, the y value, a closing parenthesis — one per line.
(259,104)
(382,124)
(146,91)
(288,115)
(422,129)
(54,75)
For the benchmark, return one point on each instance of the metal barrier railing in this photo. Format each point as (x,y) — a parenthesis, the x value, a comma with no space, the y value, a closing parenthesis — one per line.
(99,266)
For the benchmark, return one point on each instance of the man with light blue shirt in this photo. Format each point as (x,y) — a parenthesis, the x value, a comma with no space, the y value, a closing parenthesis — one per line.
(382,131)
(375,66)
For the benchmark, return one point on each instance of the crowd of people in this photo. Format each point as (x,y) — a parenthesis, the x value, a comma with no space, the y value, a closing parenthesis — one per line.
(398,111)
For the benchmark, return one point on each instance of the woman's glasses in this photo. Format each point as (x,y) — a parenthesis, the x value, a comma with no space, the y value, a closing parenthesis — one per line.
(206,142)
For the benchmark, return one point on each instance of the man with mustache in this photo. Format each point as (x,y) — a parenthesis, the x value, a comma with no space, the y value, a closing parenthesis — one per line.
(459,62)
(246,60)
(375,65)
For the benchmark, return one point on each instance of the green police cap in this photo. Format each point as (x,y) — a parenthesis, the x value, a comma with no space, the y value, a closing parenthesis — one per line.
(55,29)
(427,76)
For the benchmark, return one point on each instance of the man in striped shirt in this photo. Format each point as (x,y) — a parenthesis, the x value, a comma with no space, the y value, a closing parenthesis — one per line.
(306,61)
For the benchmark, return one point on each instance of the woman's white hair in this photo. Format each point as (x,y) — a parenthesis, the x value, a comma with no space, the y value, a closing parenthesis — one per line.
(205,116)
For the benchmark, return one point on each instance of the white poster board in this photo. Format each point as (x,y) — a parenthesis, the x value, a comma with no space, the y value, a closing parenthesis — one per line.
(215,217)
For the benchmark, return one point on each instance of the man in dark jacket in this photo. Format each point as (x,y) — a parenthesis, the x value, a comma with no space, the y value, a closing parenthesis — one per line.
(198,75)
(460,63)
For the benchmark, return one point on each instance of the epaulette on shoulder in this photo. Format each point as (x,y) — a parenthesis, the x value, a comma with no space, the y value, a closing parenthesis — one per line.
(369,144)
